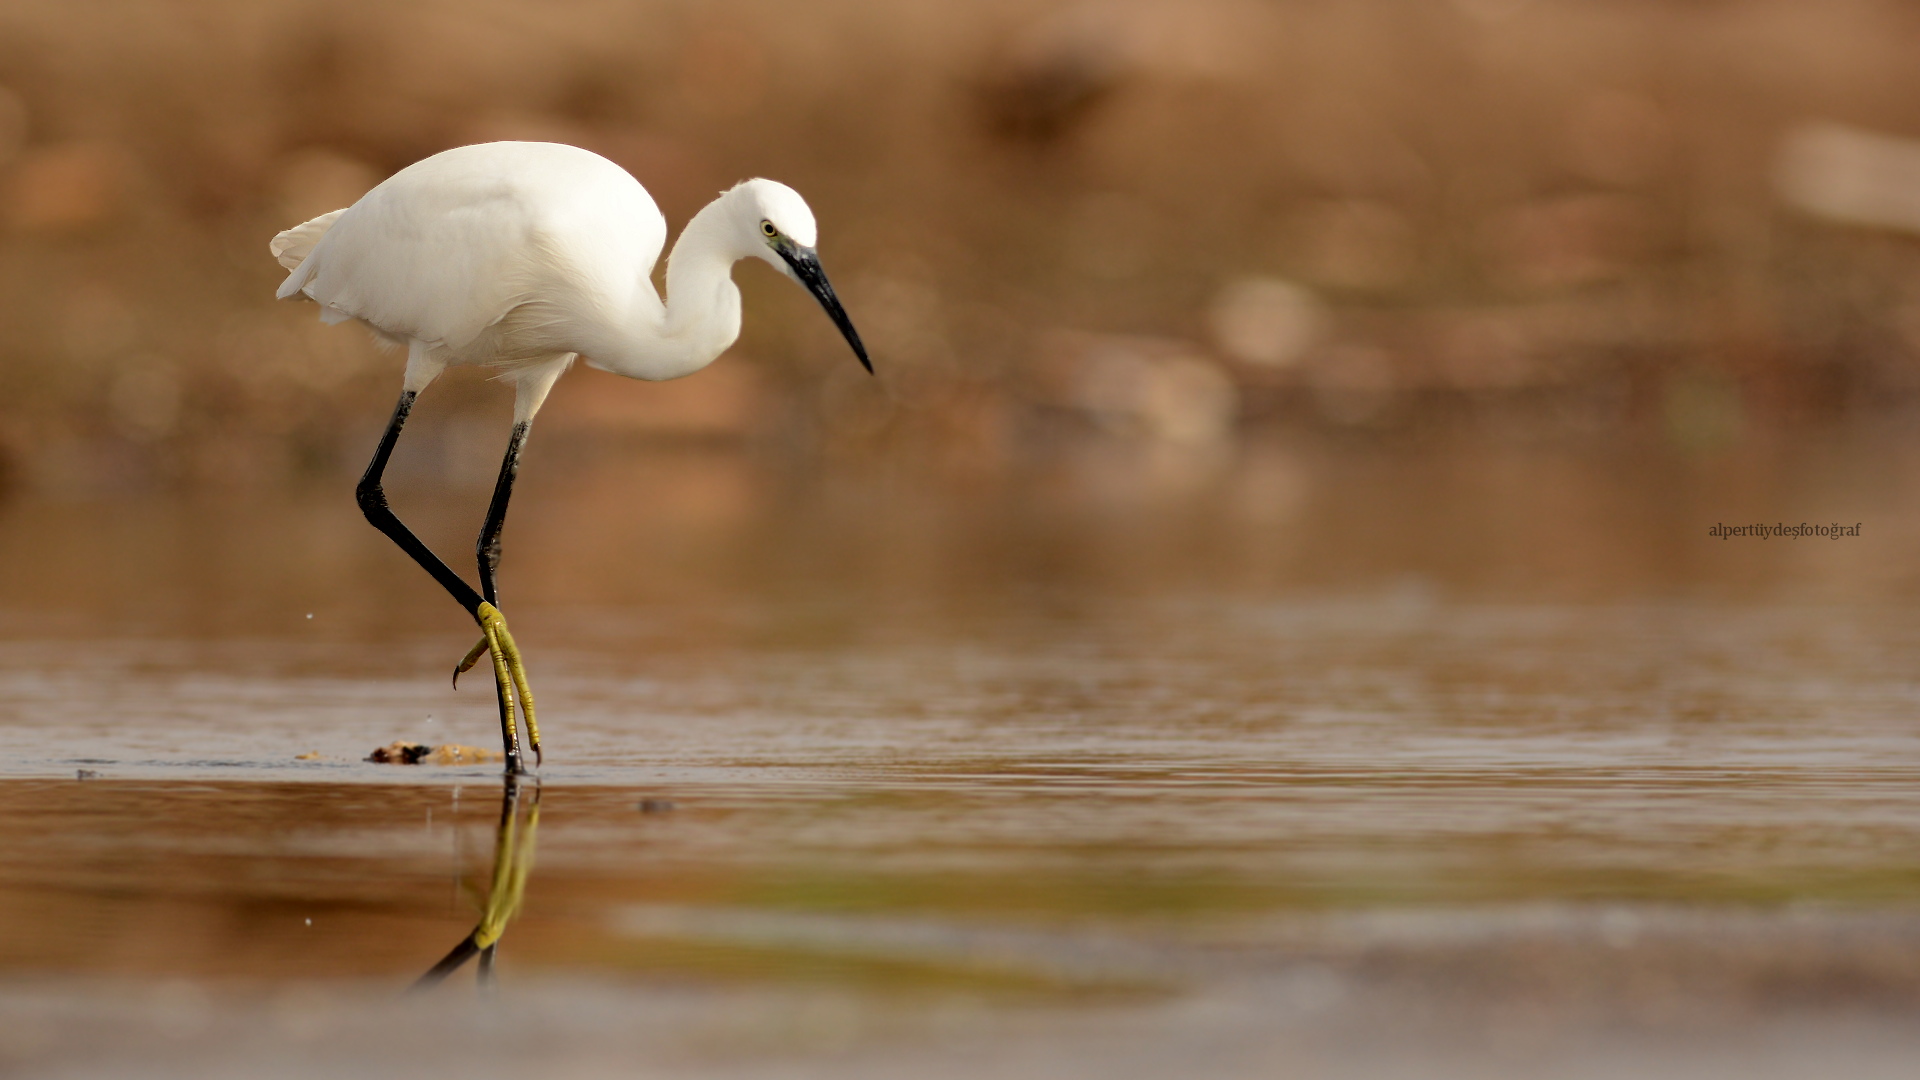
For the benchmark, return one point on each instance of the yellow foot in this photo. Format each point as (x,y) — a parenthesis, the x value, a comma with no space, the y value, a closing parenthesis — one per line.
(509,674)
(466,662)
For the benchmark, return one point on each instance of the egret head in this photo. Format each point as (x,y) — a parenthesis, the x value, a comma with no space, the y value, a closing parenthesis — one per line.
(781,231)
(769,202)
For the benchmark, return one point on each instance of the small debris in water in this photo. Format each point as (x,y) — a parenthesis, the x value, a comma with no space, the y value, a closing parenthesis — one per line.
(309,921)
(400,753)
(85,774)
(309,614)
(655,806)
(311,755)
(413,753)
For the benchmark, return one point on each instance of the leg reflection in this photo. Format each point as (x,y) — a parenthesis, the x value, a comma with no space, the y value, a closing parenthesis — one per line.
(512,860)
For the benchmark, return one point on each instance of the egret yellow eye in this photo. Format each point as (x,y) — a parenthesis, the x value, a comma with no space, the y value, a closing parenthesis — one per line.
(767,227)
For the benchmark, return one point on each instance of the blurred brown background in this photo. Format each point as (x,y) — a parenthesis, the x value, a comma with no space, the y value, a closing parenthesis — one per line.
(1683,223)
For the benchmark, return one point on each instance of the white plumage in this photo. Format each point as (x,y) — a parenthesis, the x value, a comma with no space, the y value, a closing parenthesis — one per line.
(521,255)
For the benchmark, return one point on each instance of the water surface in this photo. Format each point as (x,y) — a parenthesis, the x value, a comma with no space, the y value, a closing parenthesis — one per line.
(1448,759)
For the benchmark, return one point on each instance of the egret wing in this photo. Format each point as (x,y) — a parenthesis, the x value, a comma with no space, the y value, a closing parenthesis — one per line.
(450,245)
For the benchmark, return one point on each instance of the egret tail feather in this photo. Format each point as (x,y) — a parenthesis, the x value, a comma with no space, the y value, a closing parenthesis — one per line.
(292,247)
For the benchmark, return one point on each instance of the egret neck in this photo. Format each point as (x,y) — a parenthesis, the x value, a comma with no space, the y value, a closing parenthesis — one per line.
(701,315)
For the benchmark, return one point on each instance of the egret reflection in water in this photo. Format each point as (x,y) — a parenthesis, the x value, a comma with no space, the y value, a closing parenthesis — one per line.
(512,861)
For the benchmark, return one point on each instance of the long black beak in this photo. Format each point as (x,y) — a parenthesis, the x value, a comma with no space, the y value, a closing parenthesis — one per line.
(806,266)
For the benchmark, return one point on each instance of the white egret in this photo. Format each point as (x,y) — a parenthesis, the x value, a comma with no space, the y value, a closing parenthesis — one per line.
(523,257)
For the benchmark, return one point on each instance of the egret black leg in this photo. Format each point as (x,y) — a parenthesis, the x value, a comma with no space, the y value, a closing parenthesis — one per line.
(487,547)
(373,503)
(486,551)
(509,679)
